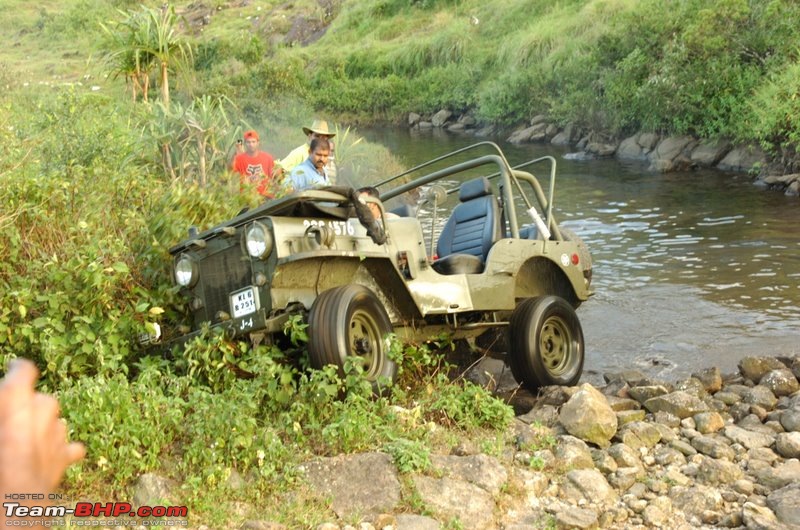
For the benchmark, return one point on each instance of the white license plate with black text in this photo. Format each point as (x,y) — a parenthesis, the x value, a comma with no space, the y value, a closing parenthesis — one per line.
(244,302)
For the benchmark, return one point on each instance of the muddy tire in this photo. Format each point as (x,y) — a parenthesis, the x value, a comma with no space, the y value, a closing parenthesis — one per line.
(545,343)
(350,321)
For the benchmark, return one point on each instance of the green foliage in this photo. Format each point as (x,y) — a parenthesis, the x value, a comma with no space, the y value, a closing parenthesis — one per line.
(410,456)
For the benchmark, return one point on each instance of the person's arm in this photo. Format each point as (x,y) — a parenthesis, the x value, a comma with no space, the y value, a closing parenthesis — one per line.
(34,452)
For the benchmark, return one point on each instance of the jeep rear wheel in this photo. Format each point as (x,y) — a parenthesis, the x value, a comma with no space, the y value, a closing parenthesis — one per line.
(350,321)
(546,343)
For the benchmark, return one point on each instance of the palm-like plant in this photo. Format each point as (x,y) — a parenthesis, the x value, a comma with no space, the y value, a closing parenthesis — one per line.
(142,40)
(207,125)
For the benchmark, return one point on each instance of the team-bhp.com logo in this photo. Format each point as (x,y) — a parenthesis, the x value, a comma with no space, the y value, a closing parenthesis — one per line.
(87,514)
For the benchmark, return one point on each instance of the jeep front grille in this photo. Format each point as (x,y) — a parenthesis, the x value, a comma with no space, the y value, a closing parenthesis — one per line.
(220,274)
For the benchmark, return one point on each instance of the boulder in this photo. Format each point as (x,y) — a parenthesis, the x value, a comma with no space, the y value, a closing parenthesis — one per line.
(679,403)
(787,444)
(749,439)
(714,472)
(601,149)
(713,447)
(451,499)
(441,117)
(648,140)
(708,422)
(708,153)
(761,396)
(694,500)
(754,368)
(758,517)
(639,434)
(743,159)
(573,453)
(413,119)
(588,416)
(790,420)
(152,490)
(588,484)
(668,154)
(574,517)
(711,378)
(365,483)
(785,503)
(780,475)
(781,382)
(482,470)
(629,149)
(643,393)
(410,521)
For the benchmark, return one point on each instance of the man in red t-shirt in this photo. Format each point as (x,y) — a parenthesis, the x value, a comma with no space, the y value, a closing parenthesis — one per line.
(255,167)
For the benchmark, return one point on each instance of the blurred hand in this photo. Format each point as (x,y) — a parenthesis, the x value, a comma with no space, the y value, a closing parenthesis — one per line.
(34,452)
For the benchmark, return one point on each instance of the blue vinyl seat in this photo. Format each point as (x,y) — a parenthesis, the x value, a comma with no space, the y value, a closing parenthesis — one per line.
(471,230)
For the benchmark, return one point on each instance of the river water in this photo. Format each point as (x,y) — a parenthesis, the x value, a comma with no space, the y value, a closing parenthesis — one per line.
(691,270)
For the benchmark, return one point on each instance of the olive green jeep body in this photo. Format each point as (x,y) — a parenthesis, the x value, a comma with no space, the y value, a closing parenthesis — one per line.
(355,277)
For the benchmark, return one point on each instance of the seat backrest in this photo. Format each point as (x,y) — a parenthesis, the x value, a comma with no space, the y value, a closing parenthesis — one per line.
(474,225)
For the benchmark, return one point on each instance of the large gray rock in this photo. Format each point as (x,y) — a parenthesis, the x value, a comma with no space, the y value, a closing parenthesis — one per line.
(363,483)
(413,119)
(669,154)
(629,149)
(749,439)
(714,472)
(779,476)
(759,517)
(441,117)
(482,470)
(643,393)
(743,159)
(153,490)
(694,500)
(624,456)
(451,499)
(528,134)
(754,368)
(588,484)
(709,152)
(790,420)
(573,453)
(588,416)
(648,140)
(788,444)
(574,517)
(762,396)
(409,521)
(713,447)
(785,502)
(679,403)
(601,149)
(711,379)
(639,434)
(708,422)
(782,382)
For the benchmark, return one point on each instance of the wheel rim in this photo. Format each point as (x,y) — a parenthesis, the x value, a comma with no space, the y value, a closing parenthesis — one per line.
(365,341)
(555,346)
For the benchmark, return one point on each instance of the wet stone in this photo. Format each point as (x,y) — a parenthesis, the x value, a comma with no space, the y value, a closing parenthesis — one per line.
(710,378)
(754,368)
(729,398)
(788,444)
(781,382)
(643,393)
(708,422)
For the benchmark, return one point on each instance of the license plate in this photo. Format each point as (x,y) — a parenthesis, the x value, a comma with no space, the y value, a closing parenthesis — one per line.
(244,302)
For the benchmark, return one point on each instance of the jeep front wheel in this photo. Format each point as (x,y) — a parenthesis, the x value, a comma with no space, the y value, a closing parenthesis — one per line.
(350,321)
(546,343)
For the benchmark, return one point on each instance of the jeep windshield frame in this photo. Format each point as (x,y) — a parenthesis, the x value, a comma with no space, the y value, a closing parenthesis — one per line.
(510,178)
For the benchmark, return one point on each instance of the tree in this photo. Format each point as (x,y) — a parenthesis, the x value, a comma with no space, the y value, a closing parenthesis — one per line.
(143,40)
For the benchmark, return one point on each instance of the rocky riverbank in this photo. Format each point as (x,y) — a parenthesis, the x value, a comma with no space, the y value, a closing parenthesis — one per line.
(663,154)
(711,451)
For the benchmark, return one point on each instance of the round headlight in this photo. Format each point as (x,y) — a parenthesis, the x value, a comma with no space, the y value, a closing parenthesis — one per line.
(258,240)
(185,271)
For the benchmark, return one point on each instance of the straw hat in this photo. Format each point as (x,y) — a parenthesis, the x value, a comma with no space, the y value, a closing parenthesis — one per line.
(319,127)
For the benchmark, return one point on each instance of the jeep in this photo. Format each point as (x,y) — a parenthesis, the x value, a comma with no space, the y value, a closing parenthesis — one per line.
(355,277)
